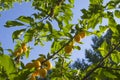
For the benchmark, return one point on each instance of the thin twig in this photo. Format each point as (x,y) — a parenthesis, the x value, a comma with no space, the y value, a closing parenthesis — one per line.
(100,62)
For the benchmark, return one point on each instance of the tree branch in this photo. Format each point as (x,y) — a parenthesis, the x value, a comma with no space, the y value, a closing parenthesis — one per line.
(57,51)
(100,62)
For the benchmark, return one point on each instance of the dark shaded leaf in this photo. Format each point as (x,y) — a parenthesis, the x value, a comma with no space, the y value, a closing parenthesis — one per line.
(117,13)
(1,50)
(10,51)
(13,24)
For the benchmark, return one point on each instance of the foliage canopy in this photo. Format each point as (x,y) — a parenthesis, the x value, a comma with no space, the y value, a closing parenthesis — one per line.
(39,28)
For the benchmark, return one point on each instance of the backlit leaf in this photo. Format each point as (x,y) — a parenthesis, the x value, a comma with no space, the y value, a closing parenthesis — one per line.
(115,57)
(16,34)
(25,19)
(8,65)
(28,35)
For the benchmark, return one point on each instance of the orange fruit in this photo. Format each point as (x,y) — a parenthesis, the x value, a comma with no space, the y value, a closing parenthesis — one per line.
(37,64)
(29,65)
(32,77)
(42,72)
(77,38)
(82,34)
(36,73)
(68,49)
(48,65)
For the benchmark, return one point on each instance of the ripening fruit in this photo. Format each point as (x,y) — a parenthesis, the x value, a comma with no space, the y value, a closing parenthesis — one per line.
(24,47)
(29,65)
(68,49)
(20,50)
(41,59)
(36,73)
(37,64)
(48,65)
(42,72)
(71,43)
(77,38)
(82,34)
(32,77)
(16,53)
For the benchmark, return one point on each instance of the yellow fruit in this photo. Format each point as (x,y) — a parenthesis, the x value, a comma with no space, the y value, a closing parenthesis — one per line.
(77,38)
(37,64)
(68,49)
(24,47)
(36,73)
(71,43)
(82,34)
(42,72)
(29,65)
(32,77)
(20,50)
(41,59)
(48,65)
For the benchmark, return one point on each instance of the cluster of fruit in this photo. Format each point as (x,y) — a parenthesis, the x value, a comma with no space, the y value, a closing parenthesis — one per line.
(22,49)
(77,38)
(40,68)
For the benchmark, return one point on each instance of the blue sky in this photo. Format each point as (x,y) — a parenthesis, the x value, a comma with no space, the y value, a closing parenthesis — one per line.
(26,10)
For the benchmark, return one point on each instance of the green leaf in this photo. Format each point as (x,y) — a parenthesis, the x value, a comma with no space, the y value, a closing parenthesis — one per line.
(23,74)
(71,1)
(104,48)
(27,53)
(111,5)
(10,51)
(16,34)
(96,1)
(25,19)
(8,65)
(117,13)
(101,49)
(115,57)
(29,35)
(49,25)
(111,21)
(13,24)
(77,47)
(2,78)
(102,28)
(1,50)
(114,29)
(109,74)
